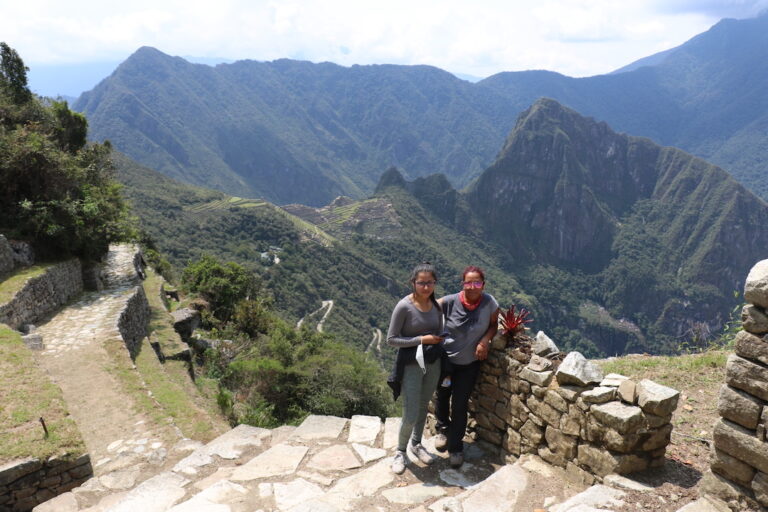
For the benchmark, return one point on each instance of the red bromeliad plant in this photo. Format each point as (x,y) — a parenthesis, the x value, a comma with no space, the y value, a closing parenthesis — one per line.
(513,322)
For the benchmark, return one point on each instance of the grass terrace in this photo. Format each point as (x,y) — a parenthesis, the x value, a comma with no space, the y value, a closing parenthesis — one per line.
(26,395)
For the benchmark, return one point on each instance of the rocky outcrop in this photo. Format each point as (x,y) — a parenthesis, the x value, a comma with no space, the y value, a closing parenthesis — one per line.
(185,321)
(740,453)
(44,294)
(572,417)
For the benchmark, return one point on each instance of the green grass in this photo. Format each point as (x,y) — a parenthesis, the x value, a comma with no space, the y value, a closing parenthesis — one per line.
(16,281)
(673,371)
(193,407)
(173,396)
(26,394)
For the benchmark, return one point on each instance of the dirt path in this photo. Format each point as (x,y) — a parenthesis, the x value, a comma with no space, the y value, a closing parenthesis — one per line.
(77,361)
(327,305)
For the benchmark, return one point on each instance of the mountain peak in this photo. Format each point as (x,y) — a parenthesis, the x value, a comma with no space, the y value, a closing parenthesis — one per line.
(391,178)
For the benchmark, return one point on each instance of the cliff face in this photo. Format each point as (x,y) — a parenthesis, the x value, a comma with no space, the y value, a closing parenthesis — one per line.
(560,185)
(564,187)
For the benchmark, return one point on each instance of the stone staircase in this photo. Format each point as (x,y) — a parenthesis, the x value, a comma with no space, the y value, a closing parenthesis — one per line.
(331,464)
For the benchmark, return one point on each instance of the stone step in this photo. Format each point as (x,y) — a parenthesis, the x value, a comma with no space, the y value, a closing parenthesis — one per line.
(331,464)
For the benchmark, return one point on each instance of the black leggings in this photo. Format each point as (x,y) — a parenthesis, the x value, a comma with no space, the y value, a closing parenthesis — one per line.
(451,410)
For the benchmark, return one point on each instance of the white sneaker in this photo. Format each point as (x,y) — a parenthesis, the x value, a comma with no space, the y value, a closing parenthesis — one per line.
(421,453)
(398,463)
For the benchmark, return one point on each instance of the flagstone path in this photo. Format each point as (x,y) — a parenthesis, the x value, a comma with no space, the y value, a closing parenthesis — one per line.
(116,435)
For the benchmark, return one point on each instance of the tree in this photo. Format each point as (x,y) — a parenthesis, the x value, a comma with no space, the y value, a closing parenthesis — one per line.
(13,75)
(222,285)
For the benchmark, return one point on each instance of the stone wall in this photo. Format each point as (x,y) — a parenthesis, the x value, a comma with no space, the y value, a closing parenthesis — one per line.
(29,482)
(740,452)
(529,399)
(133,322)
(44,294)
(6,256)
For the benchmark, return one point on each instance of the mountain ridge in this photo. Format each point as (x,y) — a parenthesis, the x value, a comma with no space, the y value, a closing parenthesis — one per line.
(297,132)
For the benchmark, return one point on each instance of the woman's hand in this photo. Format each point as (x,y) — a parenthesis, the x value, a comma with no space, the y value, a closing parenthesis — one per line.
(430,339)
(481,351)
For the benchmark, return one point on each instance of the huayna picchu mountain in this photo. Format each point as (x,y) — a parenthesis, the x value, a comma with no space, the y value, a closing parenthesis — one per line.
(665,236)
(292,131)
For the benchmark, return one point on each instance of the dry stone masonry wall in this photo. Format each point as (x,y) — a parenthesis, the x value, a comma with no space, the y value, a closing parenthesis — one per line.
(133,322)
(27,483)
(570,415)
(740,454)
(43,294)
(6,256)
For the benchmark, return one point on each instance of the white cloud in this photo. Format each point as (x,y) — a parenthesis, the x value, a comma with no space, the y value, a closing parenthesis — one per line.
(575,37)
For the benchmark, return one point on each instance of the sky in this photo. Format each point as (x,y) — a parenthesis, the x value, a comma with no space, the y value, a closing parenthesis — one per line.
(476,38)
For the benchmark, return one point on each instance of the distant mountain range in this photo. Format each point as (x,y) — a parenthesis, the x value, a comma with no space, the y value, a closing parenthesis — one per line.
(615,243)
(296,132)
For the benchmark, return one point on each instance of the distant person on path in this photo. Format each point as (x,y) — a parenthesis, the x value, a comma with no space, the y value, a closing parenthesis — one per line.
(471,318)
(414,329)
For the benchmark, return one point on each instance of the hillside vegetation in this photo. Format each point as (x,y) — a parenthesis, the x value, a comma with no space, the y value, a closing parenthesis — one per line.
(607,243)
(55,189)
(297,132)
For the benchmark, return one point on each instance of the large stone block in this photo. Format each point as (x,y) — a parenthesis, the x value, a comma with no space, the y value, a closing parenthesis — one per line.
(553,398)
(628,391)
(754,319)
(618,416)
(653,421)
(752,347)
(561,443)
(599,395)
(544,411)
(543,345)
(602,462)
(739,407)
(512,441)
(576,369)
(760,488)
(747,376)
(731,467)
(571,393)
(572,422)
(741,444)
(756,285)
(716,485)
(552,457)
(613,380)
(517,408)
(655,439)
(656,399)
(539,378)
(539,364)
(532,432)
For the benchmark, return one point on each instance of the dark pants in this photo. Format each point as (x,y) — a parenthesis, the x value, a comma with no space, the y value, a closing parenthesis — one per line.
(451,410)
